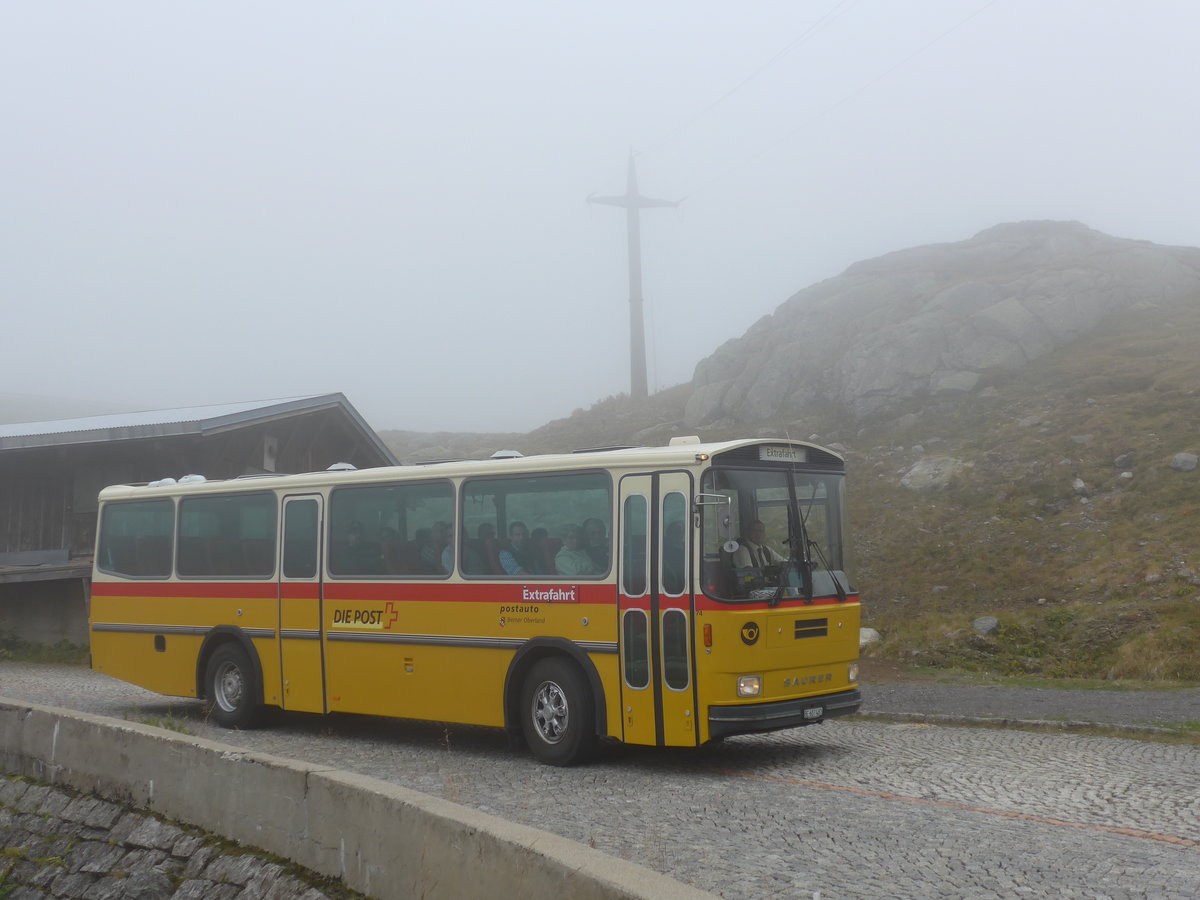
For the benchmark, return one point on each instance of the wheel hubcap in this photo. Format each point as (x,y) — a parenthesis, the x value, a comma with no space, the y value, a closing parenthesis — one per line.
(229,687)
(550,712)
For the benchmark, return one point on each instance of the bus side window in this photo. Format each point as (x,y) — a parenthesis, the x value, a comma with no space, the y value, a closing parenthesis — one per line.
(392,530)
(228,536)
(634,540)
(520,525)
(136,538)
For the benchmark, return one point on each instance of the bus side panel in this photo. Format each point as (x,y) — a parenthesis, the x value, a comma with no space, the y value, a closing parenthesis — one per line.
(442,660)
(129,623)
(441,684)
(132,658)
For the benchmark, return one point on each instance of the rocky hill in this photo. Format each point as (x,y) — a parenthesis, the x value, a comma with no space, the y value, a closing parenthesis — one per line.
(1019,417)
(938,321)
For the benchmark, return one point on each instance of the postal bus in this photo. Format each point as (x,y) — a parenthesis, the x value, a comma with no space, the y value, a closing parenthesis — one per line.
(566,598)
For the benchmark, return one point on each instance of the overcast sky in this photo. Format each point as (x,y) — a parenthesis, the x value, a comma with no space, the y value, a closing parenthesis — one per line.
(231,201)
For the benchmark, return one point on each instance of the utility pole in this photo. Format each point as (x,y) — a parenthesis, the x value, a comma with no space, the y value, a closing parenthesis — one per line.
(634,203)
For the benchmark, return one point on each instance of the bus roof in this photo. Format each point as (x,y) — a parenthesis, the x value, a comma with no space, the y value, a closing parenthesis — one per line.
(677,455)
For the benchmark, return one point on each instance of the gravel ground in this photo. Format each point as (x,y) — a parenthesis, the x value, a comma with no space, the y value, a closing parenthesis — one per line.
(854,808)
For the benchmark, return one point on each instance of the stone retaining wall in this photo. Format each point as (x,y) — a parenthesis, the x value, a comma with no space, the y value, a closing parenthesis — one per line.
(61,844)
(378,838)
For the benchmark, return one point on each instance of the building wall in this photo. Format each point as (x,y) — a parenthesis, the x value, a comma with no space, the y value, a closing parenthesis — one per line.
(45,612)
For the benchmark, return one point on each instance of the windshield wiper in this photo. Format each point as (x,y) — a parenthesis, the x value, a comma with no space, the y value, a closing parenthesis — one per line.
(803,564)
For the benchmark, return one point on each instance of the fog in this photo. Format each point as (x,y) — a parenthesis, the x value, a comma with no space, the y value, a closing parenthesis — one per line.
(232,201)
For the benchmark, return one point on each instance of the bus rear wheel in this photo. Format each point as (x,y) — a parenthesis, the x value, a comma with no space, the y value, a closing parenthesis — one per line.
(558,713)
(231,688)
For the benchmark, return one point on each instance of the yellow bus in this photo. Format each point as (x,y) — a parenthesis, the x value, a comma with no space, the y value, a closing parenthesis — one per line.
(664,596)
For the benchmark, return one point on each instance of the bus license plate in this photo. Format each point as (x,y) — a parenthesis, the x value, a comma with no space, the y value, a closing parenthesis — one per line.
(814,712)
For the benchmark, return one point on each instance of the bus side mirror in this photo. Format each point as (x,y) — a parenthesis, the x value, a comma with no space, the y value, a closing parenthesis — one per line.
(724,517)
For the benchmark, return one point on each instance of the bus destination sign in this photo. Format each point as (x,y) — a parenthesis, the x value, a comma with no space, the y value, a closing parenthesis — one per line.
(777,453)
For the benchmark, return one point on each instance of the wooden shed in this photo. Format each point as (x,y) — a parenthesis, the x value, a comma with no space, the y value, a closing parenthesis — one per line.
(51,472)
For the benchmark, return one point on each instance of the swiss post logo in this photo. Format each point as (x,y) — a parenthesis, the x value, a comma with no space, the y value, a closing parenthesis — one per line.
(750,633)
(368,618)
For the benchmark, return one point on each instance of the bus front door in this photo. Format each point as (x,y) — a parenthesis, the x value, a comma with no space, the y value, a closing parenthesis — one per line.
(656,609)
(301,645)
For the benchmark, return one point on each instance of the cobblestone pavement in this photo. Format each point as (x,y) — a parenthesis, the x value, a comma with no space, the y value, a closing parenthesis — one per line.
(851,808)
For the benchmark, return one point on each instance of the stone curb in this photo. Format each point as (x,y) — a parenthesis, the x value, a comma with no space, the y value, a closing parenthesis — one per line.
(1009,722)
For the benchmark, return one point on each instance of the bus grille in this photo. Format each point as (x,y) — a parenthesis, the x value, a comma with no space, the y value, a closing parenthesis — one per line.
(810,628)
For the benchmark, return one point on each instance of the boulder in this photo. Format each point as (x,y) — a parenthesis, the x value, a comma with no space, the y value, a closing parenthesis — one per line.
(931,474)
(1183,462)
(868,636)
(985,626)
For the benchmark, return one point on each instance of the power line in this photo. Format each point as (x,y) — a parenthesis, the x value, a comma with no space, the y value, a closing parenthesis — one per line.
(829,18)
(845,99)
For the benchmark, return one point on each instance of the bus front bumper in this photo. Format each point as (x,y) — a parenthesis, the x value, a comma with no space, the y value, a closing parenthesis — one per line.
(756,717)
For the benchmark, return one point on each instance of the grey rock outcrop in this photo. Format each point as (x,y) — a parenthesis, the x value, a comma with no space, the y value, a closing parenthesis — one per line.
(934,321)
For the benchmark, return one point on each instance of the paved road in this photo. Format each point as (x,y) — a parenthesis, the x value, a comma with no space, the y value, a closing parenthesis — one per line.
(852,808)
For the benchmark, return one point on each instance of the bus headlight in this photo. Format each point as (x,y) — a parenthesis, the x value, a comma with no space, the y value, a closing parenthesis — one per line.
(853,674)
(749,686)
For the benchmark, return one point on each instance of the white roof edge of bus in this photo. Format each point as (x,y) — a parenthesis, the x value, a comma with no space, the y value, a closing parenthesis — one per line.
(629,457)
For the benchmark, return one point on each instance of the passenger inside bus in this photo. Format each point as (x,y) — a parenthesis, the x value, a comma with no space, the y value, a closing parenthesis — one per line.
(517,556)
(572,559)
(595,543)
(437,551)
(358,556)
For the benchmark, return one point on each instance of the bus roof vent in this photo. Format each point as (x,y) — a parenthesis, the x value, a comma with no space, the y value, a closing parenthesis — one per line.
(507,454)
(342,467)
(192,479)
(684,440)
(162,482)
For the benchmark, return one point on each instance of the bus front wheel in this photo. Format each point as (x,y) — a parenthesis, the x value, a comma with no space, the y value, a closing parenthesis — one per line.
(557,713)
(231,687)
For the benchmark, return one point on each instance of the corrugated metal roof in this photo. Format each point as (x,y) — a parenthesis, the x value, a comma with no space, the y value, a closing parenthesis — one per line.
(170,422)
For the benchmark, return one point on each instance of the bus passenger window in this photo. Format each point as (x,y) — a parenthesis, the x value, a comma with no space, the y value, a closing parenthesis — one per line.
(392,530)
(135,538)
(522,526)
(227,536)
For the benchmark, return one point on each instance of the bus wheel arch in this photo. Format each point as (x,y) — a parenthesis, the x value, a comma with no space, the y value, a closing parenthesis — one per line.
(558,658)
(229,677)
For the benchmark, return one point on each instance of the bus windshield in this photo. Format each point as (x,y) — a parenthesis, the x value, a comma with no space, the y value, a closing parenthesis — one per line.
(770,534)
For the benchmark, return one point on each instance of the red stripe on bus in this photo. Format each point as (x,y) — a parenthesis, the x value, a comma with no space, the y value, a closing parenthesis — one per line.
(548,593)
(512,592)
(707,604)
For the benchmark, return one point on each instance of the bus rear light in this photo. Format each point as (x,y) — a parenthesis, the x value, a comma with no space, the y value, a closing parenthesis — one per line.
(853,672)
(707,635)
(749,685)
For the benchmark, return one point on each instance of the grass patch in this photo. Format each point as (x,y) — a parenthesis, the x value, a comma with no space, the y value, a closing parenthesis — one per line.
(168,723)
(64,652)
